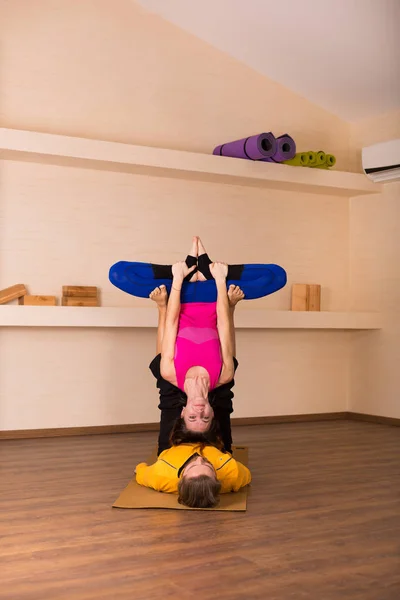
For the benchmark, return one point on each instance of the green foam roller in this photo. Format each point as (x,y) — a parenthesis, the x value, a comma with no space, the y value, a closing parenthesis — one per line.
(301,159)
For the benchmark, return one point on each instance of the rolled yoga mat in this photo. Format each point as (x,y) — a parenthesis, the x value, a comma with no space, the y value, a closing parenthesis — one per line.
(300,160)
(256,281)
(318,159)
(286,149)
(255,147)
(330,161)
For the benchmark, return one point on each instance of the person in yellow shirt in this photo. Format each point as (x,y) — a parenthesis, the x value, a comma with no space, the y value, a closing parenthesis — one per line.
(196,472)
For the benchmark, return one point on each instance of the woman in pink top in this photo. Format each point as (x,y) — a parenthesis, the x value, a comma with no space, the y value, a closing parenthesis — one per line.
(198,342)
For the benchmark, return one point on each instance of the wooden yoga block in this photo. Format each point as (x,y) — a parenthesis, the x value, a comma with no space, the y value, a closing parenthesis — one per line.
(12,293)
(79,301)
(299,296)
(37,300)
(79,291)
(314,297)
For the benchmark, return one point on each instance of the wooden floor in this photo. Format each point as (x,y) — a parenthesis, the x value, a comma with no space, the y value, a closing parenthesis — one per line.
(323,521)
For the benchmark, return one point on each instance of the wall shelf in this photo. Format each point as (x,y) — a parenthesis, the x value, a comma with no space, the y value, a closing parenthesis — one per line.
(96,154)
(64,316)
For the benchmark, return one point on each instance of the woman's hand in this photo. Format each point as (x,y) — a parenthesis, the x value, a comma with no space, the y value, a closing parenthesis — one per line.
(219,271)
(180,270)
(197,387)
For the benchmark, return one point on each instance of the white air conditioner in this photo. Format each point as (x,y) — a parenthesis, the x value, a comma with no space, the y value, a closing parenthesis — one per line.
(381,162)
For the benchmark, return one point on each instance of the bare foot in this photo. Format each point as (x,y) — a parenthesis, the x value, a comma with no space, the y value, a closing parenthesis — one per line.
(194,249)
(235,294)
(201,249)
(194,252)
(159,296)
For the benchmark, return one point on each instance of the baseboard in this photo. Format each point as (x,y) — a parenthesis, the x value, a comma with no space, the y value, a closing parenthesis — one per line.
(303,418)
(70,431)
(236,422)
(306,418)
(374,419)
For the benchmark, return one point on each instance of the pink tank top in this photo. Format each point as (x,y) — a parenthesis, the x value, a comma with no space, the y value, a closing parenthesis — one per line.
(197,342)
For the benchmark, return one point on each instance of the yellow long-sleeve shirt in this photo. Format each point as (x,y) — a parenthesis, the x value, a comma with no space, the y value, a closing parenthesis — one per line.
(163,475)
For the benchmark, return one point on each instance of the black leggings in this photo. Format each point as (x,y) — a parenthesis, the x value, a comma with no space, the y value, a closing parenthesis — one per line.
(203,263)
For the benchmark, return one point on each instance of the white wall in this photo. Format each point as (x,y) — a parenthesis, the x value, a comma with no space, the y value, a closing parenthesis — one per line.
(114,72)
(62,225)
(375,283)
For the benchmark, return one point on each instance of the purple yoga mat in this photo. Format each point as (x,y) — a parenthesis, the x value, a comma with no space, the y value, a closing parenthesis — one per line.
(255,147)
(286,149)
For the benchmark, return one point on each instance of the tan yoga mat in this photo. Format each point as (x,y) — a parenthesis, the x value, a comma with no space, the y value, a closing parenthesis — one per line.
(138,496)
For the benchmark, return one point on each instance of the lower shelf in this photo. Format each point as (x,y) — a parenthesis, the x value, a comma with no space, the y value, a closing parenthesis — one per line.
(66,316)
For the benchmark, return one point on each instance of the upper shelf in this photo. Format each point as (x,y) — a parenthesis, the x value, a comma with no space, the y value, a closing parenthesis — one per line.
(96,154)
(68,316)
